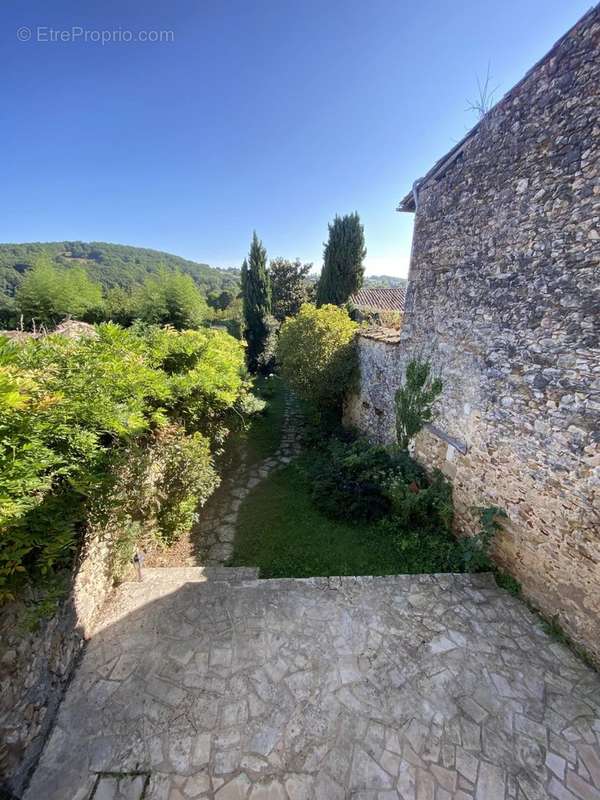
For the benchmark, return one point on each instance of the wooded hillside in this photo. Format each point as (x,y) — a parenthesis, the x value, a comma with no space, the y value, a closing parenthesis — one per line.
(109,264)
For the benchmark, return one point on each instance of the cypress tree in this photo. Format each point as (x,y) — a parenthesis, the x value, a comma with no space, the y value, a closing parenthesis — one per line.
(343,269)
(256,292)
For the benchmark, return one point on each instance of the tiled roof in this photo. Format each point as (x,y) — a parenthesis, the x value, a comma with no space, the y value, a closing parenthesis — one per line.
(380,298)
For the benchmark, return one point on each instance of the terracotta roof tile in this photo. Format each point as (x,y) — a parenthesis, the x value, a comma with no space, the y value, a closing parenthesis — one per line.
(380,298)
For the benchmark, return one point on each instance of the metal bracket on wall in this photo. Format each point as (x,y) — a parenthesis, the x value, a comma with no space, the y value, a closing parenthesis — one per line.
(445,437)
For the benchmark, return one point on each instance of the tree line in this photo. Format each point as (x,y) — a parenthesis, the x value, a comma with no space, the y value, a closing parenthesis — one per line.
(275,292)
(270,293)
(110,264)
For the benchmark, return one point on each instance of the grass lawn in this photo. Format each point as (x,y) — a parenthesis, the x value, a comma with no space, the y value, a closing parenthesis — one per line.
(264,434)
(280,531)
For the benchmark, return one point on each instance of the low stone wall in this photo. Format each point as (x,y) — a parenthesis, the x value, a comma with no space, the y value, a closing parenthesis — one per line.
(371,409)
(35,666)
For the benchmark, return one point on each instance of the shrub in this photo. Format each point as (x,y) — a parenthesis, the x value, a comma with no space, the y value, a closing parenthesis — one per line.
(476,549)
(317,356)
(350,480)
(69,408)
(429,551)
(187,480)
(415,401)
(421,505)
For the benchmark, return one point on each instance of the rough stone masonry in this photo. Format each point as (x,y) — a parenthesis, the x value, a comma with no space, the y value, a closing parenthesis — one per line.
(503,298)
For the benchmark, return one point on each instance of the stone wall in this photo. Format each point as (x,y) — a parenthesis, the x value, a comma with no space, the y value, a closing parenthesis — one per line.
(35,665)
(503,298)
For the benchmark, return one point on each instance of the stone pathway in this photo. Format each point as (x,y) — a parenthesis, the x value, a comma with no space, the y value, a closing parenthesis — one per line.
(203,683)
(216,530)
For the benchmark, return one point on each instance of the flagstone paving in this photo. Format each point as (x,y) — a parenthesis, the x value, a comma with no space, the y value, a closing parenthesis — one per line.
(212,684)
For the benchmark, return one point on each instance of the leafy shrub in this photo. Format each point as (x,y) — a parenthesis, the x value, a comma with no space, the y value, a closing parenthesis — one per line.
(350,479)
(434,548)
(476,548)
(415,401)
(69,407)
(317,356)
(421,505)
(428,551)
(186,482)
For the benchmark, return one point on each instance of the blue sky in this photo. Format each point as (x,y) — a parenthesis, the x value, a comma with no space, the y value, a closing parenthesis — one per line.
(266,114)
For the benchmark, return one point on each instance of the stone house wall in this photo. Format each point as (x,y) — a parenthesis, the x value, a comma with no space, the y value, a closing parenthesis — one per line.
(504,299)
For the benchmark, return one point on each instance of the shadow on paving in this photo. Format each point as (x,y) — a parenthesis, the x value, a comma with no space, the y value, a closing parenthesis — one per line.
(393,687)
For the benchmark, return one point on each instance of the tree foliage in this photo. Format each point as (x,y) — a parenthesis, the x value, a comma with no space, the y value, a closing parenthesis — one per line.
(316,354)
(69,407)
(415,401)
(256,292)
(289,285)
(170,298)
(220,300)
(48,294)
(111,265)
(343,257)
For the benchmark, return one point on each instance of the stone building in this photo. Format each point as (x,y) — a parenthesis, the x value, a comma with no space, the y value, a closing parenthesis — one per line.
(503,298)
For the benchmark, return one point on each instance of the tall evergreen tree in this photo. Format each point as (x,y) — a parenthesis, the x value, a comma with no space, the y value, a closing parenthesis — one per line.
(256,292)
(343,269)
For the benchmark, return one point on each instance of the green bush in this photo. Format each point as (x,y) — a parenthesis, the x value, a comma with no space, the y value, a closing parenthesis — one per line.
(317,355)
(415,401)
(351,480)
(476,549)
(421,504)
(186,482)
(69,407)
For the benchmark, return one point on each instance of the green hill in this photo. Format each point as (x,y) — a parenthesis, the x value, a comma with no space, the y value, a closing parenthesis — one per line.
(109,264)
(388,281)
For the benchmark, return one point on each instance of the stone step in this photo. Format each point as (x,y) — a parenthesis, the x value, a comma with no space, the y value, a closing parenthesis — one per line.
(181,575)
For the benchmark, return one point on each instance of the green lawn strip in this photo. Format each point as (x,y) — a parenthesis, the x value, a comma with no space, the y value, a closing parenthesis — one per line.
(280,531)
(264,434)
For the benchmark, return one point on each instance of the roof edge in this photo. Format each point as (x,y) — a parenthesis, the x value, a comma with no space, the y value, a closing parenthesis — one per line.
(408,203)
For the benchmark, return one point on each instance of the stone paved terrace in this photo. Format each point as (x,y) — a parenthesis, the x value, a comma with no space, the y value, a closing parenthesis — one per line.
(414,687)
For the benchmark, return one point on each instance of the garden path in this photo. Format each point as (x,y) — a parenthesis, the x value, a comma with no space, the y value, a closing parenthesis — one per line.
(215,532)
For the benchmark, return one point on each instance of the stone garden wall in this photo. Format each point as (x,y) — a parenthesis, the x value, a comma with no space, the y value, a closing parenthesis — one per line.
(504,300)
(35,664)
